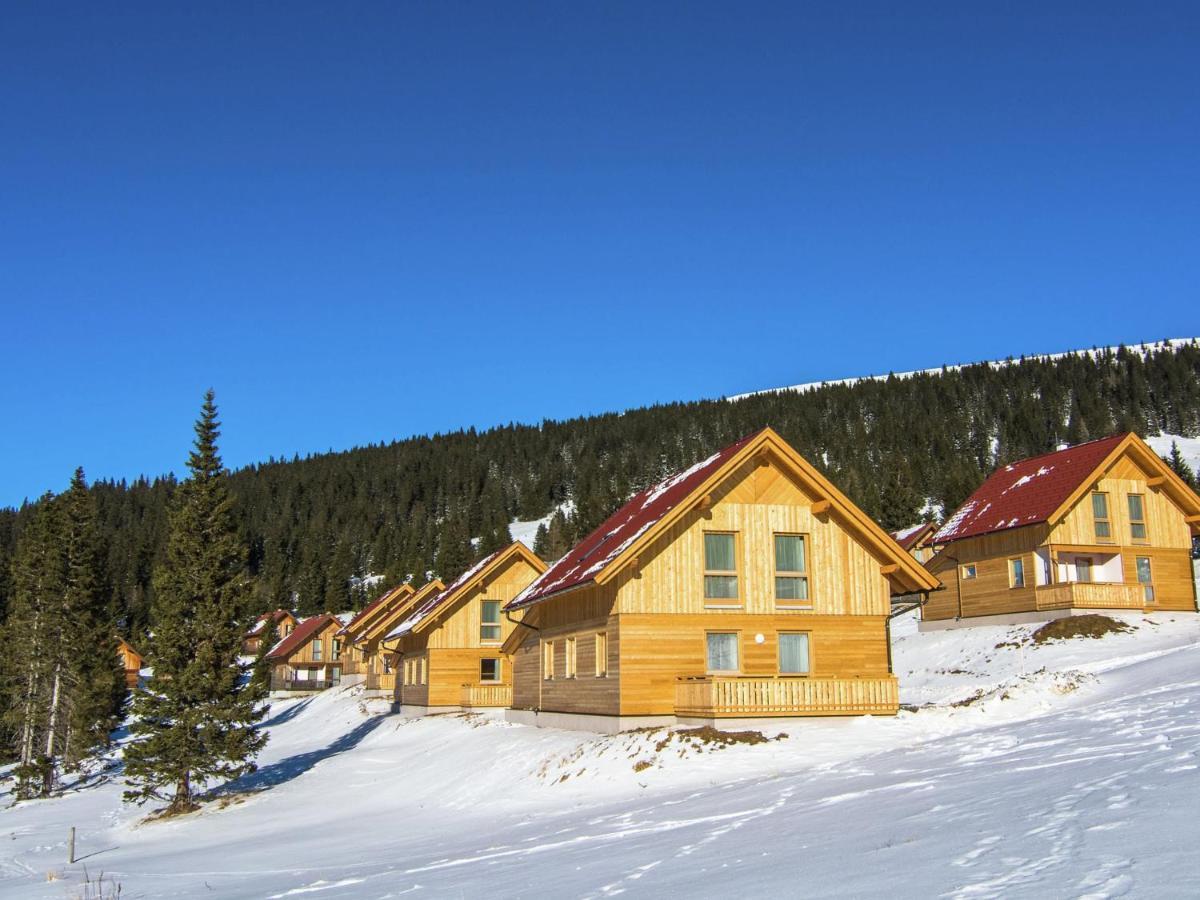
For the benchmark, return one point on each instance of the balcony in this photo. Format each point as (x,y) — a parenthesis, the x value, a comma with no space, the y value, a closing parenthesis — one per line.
(475,696)
(1091,595)
(381,681)
(715,696)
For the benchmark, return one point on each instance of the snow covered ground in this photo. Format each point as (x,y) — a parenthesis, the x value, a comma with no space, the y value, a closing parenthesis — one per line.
(1019,770)
(1189,447)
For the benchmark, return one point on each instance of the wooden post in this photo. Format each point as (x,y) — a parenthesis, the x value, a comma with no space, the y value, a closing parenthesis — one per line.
(71,847)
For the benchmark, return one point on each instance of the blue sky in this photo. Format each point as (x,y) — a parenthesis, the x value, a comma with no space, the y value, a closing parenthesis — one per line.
(363,221)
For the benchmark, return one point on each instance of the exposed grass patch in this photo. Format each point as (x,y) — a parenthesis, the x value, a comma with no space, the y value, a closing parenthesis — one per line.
(1089,626)
(713,737)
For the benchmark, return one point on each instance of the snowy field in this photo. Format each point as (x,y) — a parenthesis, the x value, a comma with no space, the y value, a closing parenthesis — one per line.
(1019,770)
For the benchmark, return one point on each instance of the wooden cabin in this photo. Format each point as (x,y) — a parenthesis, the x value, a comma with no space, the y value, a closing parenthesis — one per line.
(378,663)
(917,540)
(309,659)
(449,650)
(131,662)
(353,664)
(1104,525)
(746,586)
(284,623)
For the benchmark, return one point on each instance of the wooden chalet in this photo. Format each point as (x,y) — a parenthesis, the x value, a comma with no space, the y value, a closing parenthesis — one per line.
(917,540)
(1104,525)
(744,587)
(448,651)
(309,658)
(131,662)
(284,623)
(380,663)
(354,664)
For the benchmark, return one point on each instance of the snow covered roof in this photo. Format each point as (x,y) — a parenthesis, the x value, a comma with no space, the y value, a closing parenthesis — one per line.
(458,585)
(301,634)
(909,537)
(620,530)
(355,622)
(279,614)
(1028,491)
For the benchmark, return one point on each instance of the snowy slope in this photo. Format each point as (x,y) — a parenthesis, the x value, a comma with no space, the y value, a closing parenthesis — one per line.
(1189,447)
(1073,774)
(995,364)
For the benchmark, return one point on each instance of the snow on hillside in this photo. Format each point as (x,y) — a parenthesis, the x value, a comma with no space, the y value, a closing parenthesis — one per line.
(1188,447)
(995,364)
(1019,770)
(526,531)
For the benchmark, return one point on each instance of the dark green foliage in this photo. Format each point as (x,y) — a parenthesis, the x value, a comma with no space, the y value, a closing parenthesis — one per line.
(1179,466)
(196,720)
(260,673)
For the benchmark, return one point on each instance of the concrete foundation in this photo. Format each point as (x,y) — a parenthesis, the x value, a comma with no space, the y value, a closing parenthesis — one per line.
(411,711)
(352,680)
(1023,618)
(585,721)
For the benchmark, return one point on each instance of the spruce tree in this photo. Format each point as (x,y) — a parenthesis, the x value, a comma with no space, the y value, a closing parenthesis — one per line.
(196,720)
(1179,465)
(260,673)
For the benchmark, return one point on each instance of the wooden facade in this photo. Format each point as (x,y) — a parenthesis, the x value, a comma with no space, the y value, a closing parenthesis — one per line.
(450,651)
(310,658)
(378,664)
(284,623)
(131,663)
(356,634)
(1075,559)
(635,641)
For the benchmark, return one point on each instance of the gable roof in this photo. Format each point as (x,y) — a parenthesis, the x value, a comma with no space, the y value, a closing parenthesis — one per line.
(401,591)
(390,619)
(617,540)
(493,561)
(911,536)
(300,634)
(278,614)
(1043,488)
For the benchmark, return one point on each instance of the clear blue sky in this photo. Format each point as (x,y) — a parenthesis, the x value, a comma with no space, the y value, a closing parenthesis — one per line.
(363,221)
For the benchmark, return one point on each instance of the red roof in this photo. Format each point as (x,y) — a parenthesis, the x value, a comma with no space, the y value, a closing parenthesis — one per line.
(619,531)
(353,624)
(908,537)
(1026,492)
(300,634)
(279,615)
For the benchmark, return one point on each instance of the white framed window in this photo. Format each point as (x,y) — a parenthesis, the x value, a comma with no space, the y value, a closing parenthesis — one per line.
(722,651)
(1100,515)
(489,621)
(601,654)
(489,671)
(791,570)
(720,566)
(1145,578)
(794,653)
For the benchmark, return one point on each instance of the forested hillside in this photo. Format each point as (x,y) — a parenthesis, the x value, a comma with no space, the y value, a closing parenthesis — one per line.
(312,526)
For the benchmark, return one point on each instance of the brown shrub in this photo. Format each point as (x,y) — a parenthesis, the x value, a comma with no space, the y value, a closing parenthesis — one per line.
(1089,626)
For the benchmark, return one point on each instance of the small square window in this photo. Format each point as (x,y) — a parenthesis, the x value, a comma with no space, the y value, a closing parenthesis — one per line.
(489,670)
(793,653)
(722,653)
(969,571)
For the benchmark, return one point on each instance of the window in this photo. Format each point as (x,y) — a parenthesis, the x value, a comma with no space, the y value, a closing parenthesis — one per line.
(793,653)
(316,649)
(720,566)
(569,664)
(1083,568)
(722,651)
(1137,517)
(601,654)
(489,670)
(421,669)
(547,659)
(1100,515)
(387,665)
(791,569)
(969,572)
(1145,579)
(336,649)
(489,618)
(1016,573)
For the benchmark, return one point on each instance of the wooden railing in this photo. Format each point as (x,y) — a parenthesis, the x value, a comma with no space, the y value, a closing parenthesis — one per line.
(381,681)
(1091,595)
(303,684)
(713,695)
(477,695)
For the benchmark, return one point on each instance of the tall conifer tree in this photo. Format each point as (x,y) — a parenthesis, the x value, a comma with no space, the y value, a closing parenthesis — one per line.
(197,721)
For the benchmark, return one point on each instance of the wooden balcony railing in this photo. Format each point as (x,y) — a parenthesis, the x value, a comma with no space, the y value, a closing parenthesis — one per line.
(480,695)
(715,696)
(1091,595)
(381,681)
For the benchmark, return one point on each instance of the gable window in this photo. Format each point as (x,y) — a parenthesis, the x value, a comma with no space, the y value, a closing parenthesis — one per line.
(547,659)
(1145,579)
(601,654)
(1100,515)
(489,671)
(791,569)
(335,651)
(1016,573)
(720,566)
(793,653)
(1137,517)
(489,617)
(316,649)
(569,662)
(722,655)
(969,572)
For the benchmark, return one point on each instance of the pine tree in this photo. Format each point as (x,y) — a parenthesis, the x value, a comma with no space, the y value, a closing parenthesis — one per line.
(260,673)
(198,720)
(1179,465)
